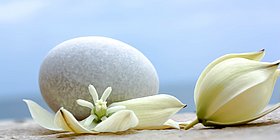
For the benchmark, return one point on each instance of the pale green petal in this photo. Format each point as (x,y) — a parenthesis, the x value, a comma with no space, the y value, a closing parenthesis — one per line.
(176,124)
(89,119)
(42,116)
(114,109)
(68,122)
(119,121)
(169,124)
(93,93)
(263,113)
(59,121)
(227,80)
(85,103)
(89,127)
(103,118)
(106,94)
(152,111)
(172,124)
(247,104)
(251,56)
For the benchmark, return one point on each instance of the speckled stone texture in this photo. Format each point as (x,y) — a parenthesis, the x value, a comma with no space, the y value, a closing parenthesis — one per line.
(267,128)
(71,66)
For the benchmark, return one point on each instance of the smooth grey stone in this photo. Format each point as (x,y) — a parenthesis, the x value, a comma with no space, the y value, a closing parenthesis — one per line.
(71,66)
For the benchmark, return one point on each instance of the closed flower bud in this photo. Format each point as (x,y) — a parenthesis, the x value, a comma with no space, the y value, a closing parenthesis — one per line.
(234,89)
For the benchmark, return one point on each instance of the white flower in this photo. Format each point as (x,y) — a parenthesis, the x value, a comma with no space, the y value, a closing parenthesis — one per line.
(102,119)
(99,109)
(234,89)
(152,112)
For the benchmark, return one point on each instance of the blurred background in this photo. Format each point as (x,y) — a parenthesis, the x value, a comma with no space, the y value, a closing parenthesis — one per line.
(180,37)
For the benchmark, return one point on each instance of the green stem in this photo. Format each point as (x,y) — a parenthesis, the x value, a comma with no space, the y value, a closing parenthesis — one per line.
(194,122)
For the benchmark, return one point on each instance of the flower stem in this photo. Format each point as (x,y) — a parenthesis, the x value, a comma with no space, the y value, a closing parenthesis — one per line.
(194,122)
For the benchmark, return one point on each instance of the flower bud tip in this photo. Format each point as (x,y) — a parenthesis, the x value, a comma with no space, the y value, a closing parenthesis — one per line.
(276,62)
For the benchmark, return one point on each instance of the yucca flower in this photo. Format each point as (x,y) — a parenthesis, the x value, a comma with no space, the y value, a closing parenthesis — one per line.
(152,112)
(235,89)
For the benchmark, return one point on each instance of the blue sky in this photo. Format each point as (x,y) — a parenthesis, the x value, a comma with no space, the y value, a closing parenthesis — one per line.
(180,37)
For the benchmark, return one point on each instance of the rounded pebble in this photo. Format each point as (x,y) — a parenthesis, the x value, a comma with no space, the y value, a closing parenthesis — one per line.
(71,66)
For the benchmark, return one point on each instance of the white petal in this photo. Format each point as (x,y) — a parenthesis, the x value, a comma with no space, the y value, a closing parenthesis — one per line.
(152,111)
(106,94)
(119,121)
(42,116)
(251,56)
(171,123)
(114,109)
(229,79)
(176,124)
(85,103)
(263,113)
(59,121)
(68,122)
(89,127)
(247,104)
(93,93)
(89,120)
(103,118)
(278,72)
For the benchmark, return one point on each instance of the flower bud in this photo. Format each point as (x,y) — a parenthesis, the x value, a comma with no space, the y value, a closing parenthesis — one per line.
(235,89)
